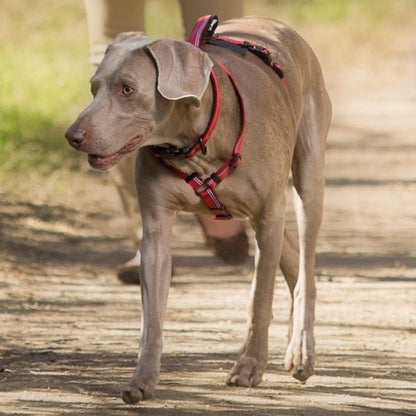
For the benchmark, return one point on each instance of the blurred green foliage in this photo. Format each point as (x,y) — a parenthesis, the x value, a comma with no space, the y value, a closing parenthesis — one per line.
(44,66)
(369,12)
(43,77)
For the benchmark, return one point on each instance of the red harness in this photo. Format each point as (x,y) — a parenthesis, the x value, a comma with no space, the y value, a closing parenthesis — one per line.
(202,33)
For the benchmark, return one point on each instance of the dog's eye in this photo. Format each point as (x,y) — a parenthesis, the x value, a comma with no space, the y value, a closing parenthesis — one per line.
(127,90)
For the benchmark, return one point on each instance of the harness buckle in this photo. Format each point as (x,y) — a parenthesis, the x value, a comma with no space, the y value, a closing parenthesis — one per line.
(215,178)
(204,148)
(169,152)
(191,177)
(235,161)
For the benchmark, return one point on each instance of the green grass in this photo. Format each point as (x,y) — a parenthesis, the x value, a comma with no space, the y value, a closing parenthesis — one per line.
(44,69)
(314,12)
(43,75)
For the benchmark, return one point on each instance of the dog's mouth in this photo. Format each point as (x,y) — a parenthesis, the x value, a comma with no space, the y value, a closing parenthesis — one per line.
(106,162)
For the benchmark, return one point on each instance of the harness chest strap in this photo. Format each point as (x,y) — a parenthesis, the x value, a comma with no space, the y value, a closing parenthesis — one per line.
(204,188)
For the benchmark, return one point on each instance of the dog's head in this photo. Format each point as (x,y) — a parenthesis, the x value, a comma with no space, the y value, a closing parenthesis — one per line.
(134,89)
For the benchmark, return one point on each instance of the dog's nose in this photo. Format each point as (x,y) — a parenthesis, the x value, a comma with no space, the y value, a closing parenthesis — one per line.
(75,137)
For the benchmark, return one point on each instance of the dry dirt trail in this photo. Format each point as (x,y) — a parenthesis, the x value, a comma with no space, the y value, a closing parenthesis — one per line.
(69,330)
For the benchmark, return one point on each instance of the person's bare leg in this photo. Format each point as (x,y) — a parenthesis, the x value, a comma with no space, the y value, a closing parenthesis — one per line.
(107,18)
(227,239)
(224,9)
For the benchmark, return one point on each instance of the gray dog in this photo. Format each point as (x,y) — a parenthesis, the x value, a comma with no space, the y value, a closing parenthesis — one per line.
(161,96)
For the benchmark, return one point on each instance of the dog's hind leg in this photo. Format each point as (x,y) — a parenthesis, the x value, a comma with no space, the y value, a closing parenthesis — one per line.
(289,265)
(308,180)
(251,364)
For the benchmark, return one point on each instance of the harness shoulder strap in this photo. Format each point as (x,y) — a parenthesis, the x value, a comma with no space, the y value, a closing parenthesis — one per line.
(203,30)
(242,47)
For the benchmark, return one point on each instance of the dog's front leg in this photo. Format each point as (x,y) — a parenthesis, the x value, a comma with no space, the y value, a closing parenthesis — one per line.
(155,276)
(252,362)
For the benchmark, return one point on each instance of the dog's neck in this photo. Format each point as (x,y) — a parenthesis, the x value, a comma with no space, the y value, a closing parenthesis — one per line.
(187,123)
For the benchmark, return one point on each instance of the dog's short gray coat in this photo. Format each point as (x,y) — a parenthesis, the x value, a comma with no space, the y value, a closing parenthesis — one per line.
(156,92)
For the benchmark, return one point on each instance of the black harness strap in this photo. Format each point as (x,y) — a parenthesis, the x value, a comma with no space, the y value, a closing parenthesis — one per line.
(243,46)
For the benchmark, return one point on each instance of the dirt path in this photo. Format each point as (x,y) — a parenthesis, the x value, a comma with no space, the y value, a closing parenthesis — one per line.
(69,330)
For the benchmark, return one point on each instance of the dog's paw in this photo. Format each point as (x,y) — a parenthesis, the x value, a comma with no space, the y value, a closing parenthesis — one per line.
(246,372)
(300,356)
(138,390)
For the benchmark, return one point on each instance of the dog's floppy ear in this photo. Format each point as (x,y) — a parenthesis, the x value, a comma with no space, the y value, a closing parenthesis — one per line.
(183,70)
